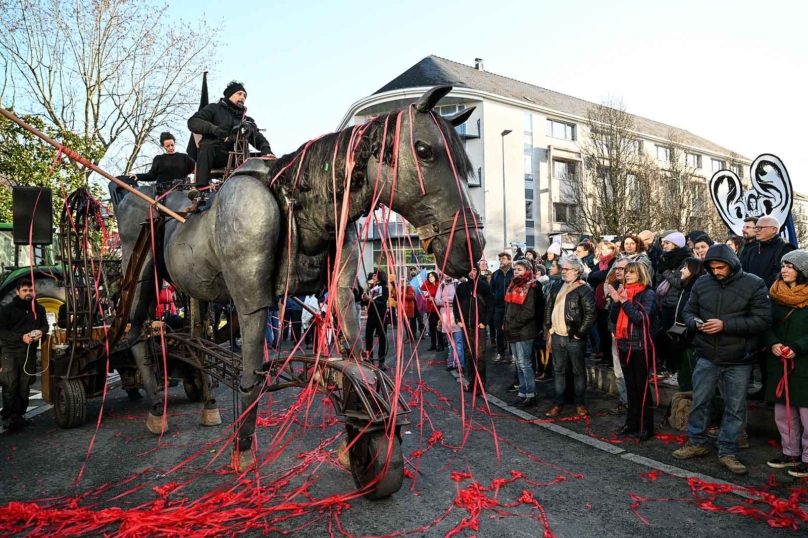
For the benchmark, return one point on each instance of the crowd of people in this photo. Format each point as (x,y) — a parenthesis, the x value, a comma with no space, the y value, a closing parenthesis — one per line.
(680,309)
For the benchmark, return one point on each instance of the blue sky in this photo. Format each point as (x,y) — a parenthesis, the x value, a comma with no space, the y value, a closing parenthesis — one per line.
(733,72)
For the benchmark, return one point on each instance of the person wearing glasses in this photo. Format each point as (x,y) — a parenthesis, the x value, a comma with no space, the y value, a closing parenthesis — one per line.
(764,260)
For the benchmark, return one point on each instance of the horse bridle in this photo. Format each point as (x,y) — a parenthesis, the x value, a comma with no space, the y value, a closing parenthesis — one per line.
(428,232)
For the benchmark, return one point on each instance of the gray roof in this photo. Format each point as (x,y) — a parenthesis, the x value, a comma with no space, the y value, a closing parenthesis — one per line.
(434,71)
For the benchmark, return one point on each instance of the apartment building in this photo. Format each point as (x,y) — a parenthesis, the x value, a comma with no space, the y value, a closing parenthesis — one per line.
(524,140)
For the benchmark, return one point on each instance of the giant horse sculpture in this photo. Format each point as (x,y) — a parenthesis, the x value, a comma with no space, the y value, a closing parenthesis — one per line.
(272,225)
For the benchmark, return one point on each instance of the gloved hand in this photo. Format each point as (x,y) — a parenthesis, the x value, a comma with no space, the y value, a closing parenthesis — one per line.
(222,134)
(267,152)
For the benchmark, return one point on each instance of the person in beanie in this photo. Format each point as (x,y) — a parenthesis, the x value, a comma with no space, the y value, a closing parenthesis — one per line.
(569,315)
(521,327)
(728,311)
(474,310)
(553,255)
(23,324)
(216,124)
(787,345)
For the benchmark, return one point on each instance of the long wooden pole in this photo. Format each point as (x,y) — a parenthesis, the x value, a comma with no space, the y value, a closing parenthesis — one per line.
(72,155)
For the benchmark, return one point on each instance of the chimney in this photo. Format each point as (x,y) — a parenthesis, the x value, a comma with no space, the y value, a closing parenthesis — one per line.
(478,64)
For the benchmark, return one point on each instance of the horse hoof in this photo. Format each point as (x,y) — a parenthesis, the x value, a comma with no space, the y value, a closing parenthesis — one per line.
(211,417)
(343,456)
(155,424)
(242,461)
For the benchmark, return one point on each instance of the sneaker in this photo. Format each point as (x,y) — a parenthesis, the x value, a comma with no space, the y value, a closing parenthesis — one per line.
(663,374)
(530,401)
(499,359)
(690,450)
(513,388)
(672,381)
(799,471)
(732,463)
(619,409)
(545,377)
(555,411)
(783,462)
(712,433)
(518,401)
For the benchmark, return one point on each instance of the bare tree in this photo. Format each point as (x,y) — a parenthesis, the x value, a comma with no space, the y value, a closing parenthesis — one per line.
(111,71)
(682,197)
(611,194)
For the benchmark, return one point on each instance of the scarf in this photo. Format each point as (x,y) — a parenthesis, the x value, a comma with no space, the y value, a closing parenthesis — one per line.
(622,319)
(519,288)
(600,296)
(796,297)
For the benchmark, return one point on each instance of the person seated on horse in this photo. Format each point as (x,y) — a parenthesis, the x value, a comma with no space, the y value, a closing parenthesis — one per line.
(168,167)
(217,123)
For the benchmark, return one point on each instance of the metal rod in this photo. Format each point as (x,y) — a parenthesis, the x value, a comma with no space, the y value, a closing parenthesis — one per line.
(91,166)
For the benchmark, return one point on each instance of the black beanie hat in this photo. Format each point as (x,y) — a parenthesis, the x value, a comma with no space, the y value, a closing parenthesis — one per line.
(232,88)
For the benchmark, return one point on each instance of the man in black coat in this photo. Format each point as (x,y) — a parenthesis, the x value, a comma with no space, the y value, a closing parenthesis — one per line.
(763,259)
(569,315)
(217,123)
(21,329)
(473,310)
(500,281)
(728,310)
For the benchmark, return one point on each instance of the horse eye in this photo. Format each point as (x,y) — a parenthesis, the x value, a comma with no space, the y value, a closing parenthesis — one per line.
(423,151)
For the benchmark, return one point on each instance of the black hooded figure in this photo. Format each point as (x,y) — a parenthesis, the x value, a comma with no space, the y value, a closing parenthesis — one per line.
(216,123)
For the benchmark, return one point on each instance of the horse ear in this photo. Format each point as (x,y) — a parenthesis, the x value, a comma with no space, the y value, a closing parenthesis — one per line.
(428,101)
(461,117)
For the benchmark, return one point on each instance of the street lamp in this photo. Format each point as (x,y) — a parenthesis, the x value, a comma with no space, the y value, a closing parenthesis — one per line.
(505,133)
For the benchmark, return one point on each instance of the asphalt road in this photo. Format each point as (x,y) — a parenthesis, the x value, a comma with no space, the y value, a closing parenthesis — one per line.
(486,473)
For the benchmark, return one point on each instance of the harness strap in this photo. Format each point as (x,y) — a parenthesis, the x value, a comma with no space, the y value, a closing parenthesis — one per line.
(428,232)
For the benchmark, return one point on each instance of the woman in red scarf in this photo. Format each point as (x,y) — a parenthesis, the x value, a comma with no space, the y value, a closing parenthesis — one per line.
(430,291)
(523,300)
(596,279)
(633,308)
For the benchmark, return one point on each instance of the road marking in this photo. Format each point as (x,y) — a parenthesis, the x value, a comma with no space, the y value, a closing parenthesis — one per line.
(613,449)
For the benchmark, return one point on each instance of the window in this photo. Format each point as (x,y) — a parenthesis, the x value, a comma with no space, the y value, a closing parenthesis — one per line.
(527,165)
(527,123)
(476,180)
(563,212)
(529,224)
(528,194)
(717,165)
(737,169)
(562,169)
(530,241)
(635,147)
(694,160)
(448,110)
(558,129)
(663,154)
(528,209)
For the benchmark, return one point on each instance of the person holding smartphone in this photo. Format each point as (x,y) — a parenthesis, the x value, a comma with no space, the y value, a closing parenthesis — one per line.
(23,323)
(729,310)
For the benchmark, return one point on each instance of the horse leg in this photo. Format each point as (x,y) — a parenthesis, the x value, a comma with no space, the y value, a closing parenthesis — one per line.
(252,352)
(210,411)
(144,292)
(346,307)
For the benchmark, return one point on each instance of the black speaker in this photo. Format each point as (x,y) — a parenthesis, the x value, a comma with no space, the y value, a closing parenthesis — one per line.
(32,205)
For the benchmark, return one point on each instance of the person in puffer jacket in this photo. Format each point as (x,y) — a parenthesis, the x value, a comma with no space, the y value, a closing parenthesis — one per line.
(729,310)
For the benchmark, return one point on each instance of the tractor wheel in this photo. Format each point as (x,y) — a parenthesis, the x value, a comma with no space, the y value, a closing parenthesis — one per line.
(193,386)
(70,404)
(372,466)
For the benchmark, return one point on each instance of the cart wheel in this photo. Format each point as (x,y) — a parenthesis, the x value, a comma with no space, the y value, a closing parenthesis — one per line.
(369,463)
(193,387)
(71,403)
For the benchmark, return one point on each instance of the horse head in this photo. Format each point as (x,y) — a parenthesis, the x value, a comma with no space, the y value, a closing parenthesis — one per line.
(430,184)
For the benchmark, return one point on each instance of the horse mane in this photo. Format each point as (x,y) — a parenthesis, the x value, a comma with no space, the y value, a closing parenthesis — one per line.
(311,166)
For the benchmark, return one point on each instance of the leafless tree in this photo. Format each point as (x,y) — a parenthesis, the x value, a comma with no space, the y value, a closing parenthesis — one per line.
(112,71)
(682,197)
(612,194)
